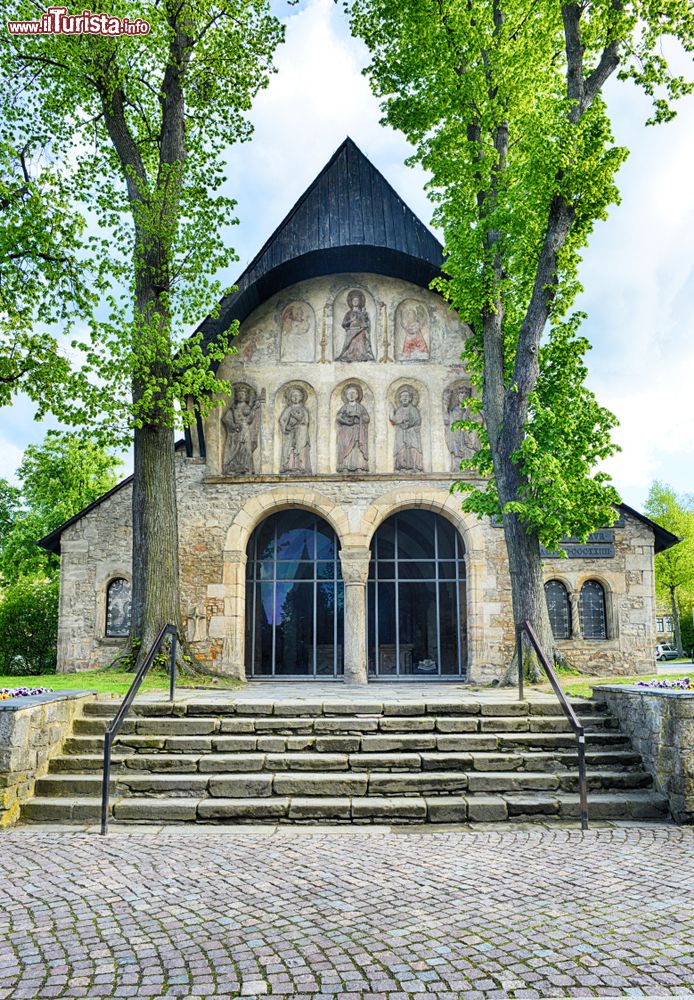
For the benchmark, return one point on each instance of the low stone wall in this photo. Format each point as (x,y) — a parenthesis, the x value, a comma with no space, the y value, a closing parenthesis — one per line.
(32,731)
(660,725)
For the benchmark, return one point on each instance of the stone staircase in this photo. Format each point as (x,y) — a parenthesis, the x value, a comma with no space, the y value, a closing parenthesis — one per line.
(463,760)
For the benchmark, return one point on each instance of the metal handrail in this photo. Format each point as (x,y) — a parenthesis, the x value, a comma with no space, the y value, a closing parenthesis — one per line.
(112,730)
(568,710)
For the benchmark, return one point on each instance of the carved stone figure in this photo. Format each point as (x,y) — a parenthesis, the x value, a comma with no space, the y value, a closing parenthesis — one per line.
(297,332)
(242,423)
(462,444)
(407,420)
(357,327)
(197,623)
(413,331)
(294,425)
(352,431)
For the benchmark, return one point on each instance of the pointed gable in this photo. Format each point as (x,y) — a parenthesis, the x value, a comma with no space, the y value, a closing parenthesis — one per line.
(349,219)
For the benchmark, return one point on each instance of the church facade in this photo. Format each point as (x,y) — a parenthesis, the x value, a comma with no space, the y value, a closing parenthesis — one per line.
(318,534)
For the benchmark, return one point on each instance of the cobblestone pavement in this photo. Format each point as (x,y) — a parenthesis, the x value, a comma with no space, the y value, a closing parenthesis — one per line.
(350,914)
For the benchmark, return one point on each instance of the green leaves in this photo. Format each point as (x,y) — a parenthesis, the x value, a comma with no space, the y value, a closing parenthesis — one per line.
(139,126)
(58,478)
(502,102)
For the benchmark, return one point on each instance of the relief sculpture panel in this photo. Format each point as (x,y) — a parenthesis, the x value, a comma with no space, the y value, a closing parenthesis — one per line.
(297,332)
(462,444)
(407,420)
(412,333)
(353,326)
(294,425)
(352,431)
(242,424)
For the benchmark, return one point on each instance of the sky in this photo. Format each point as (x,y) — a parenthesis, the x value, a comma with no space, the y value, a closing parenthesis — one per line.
(638,272)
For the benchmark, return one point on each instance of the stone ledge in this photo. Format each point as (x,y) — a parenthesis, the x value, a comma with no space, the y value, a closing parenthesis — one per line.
(17,704)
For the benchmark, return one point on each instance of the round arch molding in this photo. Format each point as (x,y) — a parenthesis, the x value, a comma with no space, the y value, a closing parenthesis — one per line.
(238,535)
(472,533)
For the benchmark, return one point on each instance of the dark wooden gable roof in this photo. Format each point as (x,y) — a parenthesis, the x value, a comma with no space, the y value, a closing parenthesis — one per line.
(348,219)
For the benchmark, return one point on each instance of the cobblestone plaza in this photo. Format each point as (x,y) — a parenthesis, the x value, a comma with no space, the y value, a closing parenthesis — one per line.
(379,913)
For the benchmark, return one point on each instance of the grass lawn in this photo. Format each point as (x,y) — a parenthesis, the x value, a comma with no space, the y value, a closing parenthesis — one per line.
(113,682)
(581,687)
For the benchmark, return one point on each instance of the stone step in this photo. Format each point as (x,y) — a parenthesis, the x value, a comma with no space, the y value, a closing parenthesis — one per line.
(366,743)
(223,707)
(258,784)
(471,807)
(532,761)
(348,728)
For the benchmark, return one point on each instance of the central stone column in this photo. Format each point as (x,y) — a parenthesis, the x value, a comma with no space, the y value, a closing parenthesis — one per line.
(355,572)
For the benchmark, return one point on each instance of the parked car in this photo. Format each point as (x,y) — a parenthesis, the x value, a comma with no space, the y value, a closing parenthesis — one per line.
(666,651)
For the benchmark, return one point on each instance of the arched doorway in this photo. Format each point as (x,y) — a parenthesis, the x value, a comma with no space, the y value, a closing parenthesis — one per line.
(416,598)
(294,598)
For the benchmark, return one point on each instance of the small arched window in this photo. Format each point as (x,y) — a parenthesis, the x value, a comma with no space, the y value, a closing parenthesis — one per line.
(118,603)
(558,608)
(592,610)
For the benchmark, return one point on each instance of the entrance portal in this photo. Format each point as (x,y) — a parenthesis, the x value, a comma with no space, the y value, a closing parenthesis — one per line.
(294,598)
(417,606)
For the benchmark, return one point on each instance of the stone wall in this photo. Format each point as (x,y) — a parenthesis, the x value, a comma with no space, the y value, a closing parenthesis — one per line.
(291,352)
(32,731)
(629,583)
(660,725)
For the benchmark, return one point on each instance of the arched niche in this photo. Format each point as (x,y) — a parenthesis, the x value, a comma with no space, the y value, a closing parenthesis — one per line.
(409,427)
(354,325)
(295,430)
(352,428)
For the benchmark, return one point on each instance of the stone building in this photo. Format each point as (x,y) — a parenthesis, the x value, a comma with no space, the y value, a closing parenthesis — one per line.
(318,534)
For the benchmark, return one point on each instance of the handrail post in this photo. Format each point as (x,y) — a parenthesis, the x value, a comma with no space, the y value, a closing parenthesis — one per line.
(172,670)
(578,729)
(582,782)
(519,657)
(115,724)
(105,783)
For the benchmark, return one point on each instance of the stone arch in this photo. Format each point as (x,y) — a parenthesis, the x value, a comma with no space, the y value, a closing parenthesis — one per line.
(106,574)
(261,506)
(238,535)
(472,533)
(429,499)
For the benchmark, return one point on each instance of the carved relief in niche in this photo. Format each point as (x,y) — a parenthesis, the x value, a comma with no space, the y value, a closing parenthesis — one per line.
(462,444)
(407,420)
(353,323)
(297,332)
(412,333)
(242,424)
(352,431)
(294,422)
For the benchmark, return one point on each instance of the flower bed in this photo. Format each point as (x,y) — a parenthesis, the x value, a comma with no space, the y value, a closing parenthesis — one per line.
(680,684)
(21,692)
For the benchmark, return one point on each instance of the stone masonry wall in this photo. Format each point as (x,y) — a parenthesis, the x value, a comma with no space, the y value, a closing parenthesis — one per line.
(30,734)
(293,343)
(660,725)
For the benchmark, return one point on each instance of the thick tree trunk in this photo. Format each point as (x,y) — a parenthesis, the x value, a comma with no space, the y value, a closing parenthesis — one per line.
(155,535)
(528,594)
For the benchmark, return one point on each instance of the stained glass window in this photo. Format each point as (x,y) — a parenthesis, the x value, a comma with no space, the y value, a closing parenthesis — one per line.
(592,610)
(558,608)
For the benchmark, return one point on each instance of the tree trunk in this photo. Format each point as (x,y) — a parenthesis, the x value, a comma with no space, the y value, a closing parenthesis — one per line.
(676,622)
(155,536)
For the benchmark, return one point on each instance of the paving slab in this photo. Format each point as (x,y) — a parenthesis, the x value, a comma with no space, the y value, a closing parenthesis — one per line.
(443,912)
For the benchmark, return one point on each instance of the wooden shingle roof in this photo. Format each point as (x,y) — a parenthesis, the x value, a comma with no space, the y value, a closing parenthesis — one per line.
(349,219)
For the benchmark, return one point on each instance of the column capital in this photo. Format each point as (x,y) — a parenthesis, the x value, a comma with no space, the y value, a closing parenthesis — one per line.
(355,564)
